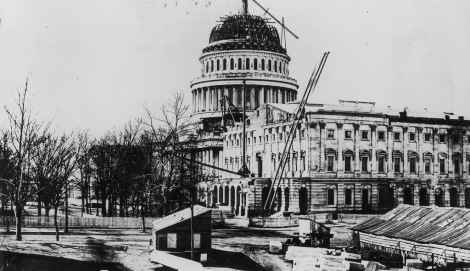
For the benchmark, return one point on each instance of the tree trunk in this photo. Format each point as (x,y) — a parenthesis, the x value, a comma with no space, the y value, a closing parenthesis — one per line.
(18,222)
(39,204)
(66,230)
(103,206)
(143,215)
(83,199)
(48,208)
(121,205)
(55,224)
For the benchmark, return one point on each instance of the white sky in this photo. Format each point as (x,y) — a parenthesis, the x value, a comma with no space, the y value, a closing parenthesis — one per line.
(93,64)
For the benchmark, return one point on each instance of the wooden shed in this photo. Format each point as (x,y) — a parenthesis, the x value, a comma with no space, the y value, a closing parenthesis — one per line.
(173,233)
(432,234)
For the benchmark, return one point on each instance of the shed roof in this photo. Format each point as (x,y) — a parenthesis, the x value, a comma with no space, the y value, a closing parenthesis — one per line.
(178,217)
(431,225)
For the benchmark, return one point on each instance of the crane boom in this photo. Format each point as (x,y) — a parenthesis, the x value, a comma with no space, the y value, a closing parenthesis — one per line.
(299,114)
(272,16)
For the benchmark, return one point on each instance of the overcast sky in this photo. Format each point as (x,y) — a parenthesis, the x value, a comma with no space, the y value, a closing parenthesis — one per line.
(93,64)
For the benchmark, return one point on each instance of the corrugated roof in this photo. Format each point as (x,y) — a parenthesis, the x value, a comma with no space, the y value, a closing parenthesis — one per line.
(178,217)
(436,225)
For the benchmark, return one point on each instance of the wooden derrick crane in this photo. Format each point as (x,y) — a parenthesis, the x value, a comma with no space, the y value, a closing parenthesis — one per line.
(299,114)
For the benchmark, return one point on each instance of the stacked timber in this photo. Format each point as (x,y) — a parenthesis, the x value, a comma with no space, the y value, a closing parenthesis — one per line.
(322,259)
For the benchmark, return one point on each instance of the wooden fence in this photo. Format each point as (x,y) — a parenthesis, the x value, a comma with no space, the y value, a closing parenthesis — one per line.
(354,218)
(80,222)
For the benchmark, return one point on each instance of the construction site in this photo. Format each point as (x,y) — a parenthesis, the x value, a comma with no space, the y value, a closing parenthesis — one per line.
(288,184)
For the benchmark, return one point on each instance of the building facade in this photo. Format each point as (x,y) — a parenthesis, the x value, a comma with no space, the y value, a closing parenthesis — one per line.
(350,157)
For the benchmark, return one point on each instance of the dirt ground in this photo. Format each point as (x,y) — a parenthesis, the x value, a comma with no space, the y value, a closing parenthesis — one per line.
(112,249)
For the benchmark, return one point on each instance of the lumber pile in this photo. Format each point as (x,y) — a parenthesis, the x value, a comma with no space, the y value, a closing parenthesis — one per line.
(322,259)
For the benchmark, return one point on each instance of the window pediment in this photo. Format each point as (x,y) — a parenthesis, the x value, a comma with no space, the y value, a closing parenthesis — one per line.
(331,151)
(348,152)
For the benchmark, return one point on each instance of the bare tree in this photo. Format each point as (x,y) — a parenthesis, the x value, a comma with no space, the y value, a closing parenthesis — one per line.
(24,134)
(84,169)
(170,134)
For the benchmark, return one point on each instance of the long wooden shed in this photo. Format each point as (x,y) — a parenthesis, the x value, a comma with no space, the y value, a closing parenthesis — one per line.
(173,233)
(429,232)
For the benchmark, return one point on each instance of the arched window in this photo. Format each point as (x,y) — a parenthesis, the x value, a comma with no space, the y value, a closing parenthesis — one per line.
(439,197)
(348,196)
(224,64)
(279,199)
(247,64)
(262,65)
(218,65)
(303,200)
(423,197)
(207,67)
(269,65)
(212,65)
(280,69)
(255,64)
(408,196)
(239,64)
(454,197)
(232,64)
(275,66)
(286,198)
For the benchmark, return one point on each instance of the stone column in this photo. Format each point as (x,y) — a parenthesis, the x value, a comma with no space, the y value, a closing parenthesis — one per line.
(435,144)
(406,170)
(374,195)
(450,152)
(461,188)
(416,195)
(447,196)
(432,196)
(214,99)
(400,195)
(322,146)
(340,149)
(464,159)
(373,139)
(198,99)
(219,96)
(252,97)
(235,96)
(356,148)
(389,152)
(261,95)
(419,131)
(283,197)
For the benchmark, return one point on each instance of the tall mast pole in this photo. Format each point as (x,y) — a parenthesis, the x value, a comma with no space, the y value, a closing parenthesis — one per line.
(244,127)
(245,7)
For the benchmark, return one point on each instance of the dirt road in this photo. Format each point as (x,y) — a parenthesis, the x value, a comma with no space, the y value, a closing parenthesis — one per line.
(115,249)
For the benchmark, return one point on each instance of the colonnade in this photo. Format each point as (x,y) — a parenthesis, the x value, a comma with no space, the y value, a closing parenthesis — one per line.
(231,196)
(206,99)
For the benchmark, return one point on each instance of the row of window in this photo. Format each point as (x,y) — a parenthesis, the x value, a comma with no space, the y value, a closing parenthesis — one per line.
(281,66)
(397,136)
(258,140)
(397,164)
